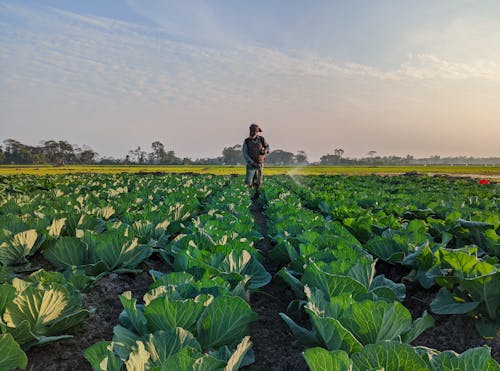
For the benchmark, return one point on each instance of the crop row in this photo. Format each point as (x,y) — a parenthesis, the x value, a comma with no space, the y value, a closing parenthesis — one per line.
(357,318)
(194,318)
(86,228)
(446,232)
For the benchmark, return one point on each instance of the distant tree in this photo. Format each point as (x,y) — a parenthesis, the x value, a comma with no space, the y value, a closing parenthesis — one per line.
(280,157)
(334,159)
(408,159)
(371,153)
(329,159)
(108,160)
(172,159)
(232,155)
(301,158)
(66,152)
(338,152)
(87,155)
(158,155)
(17,152)
(137,155)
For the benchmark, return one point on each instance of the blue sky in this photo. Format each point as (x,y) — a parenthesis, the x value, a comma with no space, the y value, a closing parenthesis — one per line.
(397,77)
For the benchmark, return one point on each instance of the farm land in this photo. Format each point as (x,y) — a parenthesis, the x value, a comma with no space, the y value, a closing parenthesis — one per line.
(110,270)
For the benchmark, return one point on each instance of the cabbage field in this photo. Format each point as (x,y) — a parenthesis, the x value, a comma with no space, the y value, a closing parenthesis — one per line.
(190,272)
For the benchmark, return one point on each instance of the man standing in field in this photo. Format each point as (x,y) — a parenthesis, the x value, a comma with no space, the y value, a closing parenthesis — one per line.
(255,149)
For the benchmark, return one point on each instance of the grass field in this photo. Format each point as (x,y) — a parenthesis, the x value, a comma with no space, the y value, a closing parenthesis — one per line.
(492,172)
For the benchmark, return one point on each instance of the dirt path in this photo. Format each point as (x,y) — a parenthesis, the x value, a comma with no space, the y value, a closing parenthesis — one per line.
(274,346)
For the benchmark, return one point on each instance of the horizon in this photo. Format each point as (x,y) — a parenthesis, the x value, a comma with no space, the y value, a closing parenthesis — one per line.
(397,78)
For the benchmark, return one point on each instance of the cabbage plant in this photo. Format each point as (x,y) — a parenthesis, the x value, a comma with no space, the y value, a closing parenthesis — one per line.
(34,311)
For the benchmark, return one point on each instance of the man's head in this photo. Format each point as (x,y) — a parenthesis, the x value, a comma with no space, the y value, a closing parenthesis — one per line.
(254,129)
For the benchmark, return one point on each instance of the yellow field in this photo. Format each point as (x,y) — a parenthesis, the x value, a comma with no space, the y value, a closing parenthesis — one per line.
(491,172)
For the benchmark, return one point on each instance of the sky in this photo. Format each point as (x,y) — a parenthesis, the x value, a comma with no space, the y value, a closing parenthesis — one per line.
(396,77)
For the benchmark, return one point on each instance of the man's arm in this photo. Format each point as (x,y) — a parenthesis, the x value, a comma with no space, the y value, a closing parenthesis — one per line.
(266,145)
(246,157)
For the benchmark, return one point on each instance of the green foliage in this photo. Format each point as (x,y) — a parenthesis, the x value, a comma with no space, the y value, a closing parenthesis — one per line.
(12,356)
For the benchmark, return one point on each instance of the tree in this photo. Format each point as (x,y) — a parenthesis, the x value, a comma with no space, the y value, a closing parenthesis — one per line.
(280,157)
(172,159)
(232,155)
(87,155)
(158,155)
(66,151)
(334,159)
(50,150)
(17,153)
(371,153)
(301,158)
(338,152)
(138,155)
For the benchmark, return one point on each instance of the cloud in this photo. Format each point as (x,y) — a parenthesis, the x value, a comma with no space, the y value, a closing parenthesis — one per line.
(90,57)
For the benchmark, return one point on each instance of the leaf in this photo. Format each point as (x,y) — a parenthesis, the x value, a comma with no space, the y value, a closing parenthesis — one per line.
(237,357)
(18,247)
(304,336)
(68,252)
(388,356)
(470,224)
(163,313)
(38,307)
(101,357)
(139,358)
(332,284)
(294,283)
(385,248)
(132,316)
(208,362)
(488,329)
(118,251)
(319,359)
(476,359)
(259,277)
(333,335)
(419,326)
(123,341)
(162,345)
(388,289)
(444,303)
(181,361)
(56,227)
(374,321)
(11,356)
(224,321)
(7,293)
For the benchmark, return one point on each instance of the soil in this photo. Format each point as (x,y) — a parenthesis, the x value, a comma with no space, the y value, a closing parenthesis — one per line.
(104,299)
(274,345)
(450,332)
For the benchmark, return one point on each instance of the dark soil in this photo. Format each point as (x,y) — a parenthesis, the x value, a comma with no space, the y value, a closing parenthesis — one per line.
(395,273)
(274,346)
(104,298)
(450,332)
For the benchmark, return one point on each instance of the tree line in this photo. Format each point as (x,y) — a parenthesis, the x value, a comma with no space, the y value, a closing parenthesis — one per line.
(60,152)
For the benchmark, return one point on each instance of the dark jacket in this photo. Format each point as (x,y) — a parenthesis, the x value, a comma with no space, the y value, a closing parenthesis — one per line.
(255,150)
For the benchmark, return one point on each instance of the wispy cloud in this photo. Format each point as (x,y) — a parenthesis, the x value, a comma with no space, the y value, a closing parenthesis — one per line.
(90,56)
